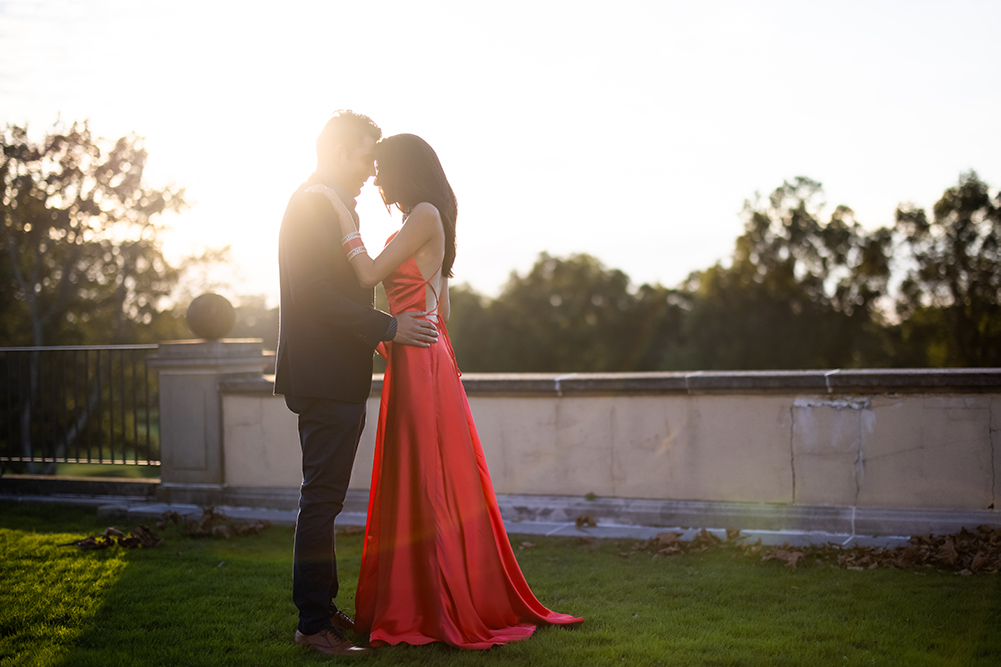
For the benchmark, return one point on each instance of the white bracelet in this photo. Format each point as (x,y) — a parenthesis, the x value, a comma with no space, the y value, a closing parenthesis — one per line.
(357,251)
(349,236)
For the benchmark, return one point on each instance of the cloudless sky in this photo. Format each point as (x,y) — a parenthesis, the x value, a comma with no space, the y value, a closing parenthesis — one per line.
(632,131)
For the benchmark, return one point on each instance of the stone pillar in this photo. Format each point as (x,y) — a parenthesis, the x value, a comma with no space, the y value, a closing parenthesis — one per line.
(191,452)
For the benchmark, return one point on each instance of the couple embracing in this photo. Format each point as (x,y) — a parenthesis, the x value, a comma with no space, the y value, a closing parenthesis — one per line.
(437,564)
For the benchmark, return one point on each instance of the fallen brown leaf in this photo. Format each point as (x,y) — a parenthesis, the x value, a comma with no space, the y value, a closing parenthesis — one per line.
(257,526)
(166,518)
(665,539)
(146,537)
(788,555)
(586,520)
(946,553)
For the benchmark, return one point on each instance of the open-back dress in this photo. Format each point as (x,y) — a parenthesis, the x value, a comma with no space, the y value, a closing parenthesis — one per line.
(437,564)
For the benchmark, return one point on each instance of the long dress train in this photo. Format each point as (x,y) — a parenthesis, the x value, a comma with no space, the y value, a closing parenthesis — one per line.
(437,564)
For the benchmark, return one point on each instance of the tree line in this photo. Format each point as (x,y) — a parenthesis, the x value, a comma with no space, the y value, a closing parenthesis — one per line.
(801,290)
(804,287)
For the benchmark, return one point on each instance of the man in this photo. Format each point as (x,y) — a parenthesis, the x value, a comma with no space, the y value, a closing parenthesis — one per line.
(327,335)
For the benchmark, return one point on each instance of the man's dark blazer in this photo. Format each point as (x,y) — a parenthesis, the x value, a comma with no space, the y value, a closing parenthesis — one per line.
(328,328)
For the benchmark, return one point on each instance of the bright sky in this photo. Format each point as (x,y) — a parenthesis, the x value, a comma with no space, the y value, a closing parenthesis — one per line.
(632,131)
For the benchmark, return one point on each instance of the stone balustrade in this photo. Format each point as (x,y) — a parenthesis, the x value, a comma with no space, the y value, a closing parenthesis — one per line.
(828,450)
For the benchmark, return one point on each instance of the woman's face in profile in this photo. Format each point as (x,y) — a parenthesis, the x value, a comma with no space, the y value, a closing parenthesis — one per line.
(385,188)
(380,183)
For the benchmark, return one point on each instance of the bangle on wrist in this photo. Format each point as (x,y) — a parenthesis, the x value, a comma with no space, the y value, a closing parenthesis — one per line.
(352,244)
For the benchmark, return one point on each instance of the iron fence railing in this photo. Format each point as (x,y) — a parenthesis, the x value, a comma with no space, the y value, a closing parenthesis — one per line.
(77,404)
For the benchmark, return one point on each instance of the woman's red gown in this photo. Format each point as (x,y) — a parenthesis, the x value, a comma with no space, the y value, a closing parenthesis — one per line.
(437,564)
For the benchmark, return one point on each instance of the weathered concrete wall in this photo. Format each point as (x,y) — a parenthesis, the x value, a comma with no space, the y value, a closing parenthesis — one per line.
(893,439)
(190,372)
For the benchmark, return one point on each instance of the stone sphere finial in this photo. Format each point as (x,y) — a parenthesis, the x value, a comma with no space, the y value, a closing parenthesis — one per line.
(211,316)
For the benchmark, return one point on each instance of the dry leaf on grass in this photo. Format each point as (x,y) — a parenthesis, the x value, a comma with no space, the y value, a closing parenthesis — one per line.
(586,520)
(975,552)
(166,518)
(213,523)
(146,536)
(243,529)
(706,539)
(667,539)
(90,543)
(208,525)
(141,536)
(786,554)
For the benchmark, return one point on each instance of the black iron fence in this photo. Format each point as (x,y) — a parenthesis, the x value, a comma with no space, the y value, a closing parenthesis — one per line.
(78,404)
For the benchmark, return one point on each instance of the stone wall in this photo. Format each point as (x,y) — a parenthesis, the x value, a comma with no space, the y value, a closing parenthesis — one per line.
(867,439)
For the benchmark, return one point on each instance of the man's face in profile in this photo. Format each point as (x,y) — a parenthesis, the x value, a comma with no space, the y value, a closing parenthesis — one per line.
(359,165)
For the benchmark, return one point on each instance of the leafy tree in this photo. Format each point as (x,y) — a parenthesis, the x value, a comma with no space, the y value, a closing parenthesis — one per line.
(255,320)
(655,328)
(564,315)
(469,328)
(804,289)
(949,300)
(81,256)
(567,311)
(801,292)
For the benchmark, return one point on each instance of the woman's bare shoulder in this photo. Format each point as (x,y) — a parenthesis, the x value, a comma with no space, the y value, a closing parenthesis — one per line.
(425,213)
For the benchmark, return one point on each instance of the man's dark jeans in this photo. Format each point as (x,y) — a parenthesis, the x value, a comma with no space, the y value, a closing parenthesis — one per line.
(329,432)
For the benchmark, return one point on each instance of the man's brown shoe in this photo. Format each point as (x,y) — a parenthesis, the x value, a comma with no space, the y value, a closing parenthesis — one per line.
(342,620)
(330,641)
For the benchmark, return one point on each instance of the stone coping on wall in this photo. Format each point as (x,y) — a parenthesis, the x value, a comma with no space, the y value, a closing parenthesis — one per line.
(212,354)
(836,381)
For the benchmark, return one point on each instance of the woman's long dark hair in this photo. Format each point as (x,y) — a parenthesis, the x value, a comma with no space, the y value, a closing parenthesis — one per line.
(409,173)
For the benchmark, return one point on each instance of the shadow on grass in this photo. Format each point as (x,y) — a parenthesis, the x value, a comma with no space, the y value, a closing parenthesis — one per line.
(196,602)
(219,602)
(215,602)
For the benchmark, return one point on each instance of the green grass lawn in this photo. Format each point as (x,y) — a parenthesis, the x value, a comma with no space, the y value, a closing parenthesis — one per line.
(107,470)
(227,602)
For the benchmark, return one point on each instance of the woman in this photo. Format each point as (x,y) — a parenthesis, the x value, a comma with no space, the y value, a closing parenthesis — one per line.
(437,564)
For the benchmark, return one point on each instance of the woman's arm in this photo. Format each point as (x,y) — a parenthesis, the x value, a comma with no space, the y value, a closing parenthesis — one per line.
(420,226)
(305,249)
(423,223)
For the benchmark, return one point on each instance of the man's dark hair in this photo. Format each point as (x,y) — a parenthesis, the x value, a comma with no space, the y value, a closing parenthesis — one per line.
(345,129)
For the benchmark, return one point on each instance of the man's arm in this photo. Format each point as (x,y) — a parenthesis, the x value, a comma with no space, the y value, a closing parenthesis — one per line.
(307,248)
(307,252)
(413,330)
